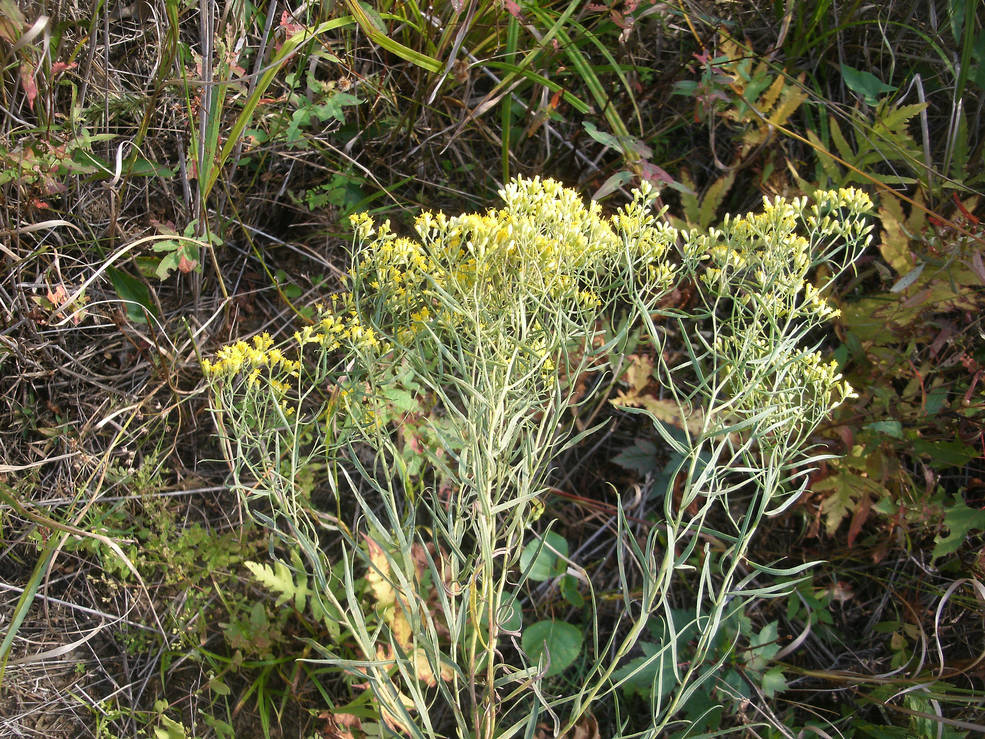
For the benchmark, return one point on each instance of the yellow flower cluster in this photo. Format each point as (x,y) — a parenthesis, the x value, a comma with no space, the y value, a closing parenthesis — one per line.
(260,360)
(242,356)
(333,331)
(508,274)
(766,257)
(544,247)
(763,261)
(784,380)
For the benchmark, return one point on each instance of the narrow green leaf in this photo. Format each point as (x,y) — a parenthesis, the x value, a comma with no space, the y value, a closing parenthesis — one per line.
(17,616)
(908,279)
(364,16)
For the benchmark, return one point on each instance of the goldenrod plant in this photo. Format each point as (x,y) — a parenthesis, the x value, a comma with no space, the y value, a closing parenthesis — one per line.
(399,445)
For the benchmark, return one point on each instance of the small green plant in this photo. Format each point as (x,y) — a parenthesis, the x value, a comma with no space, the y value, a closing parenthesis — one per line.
(922,359)
(882,141)
(477,331)
(749,100)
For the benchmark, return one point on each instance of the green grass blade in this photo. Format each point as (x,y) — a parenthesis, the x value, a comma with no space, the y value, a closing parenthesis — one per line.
(395,47)
(506,111)
(588,75)
(286,52)
(25,601)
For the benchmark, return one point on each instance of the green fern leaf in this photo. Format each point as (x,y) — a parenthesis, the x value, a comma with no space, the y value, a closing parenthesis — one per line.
(277,579)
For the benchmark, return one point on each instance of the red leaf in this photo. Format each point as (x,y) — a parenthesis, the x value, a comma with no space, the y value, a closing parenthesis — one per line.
(656,175)
(57,296)
(58,67)
(964,211)
(28,83)
(859,518)
(186,265)
(289,28)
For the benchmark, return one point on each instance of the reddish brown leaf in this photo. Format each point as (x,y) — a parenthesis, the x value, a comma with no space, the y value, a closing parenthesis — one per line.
(859,518)
(28,83)
(186,265)
(288,26)
(57,296)
(964,211)
(59,67)
(656,175)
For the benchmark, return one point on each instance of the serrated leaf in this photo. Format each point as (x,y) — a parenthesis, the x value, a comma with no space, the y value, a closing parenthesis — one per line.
(841,143)
(845,489)
(641,457)
(895,242)
(689,200)
(892,119)
(773,682)
(713,198)
(768,99)
(332,108)
(793,97)
(277,579)
(664,411)
(168,263)
(401,399)
(639,373)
